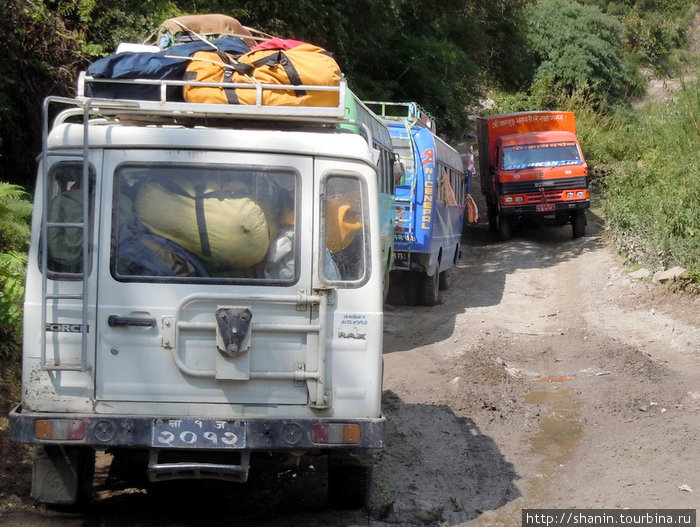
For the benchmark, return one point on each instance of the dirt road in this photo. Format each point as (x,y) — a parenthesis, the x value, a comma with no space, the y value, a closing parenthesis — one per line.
(546,377)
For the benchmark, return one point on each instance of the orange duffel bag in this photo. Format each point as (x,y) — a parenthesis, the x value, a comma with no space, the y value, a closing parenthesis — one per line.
(301,65)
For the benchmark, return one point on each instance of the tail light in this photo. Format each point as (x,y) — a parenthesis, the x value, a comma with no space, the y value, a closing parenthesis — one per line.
(335,433)
(60,429)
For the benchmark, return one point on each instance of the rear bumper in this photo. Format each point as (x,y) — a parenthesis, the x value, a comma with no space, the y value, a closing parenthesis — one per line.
(261,434)
(531,210)
(411,261)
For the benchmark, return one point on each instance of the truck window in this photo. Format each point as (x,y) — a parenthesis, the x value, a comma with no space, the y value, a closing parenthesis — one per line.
(343,219)
(540,155)
(65,196)
(204,222)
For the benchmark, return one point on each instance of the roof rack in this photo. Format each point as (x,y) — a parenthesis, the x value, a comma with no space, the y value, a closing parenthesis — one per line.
(398,111)
(163,107)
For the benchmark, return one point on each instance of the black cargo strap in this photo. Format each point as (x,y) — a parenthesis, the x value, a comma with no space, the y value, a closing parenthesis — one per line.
(231,96)
(271,61)
(201,219)
(280,58)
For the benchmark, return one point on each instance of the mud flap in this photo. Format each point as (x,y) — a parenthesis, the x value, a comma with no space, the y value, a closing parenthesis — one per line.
(62,475)
(349,484)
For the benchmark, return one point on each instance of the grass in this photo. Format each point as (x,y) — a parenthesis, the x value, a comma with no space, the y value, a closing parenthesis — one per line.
(647,163)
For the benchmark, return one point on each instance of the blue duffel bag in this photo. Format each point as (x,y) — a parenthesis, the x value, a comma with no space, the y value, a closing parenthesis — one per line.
(169,63)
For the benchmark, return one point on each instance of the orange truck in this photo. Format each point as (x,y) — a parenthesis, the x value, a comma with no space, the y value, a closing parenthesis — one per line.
(532,168)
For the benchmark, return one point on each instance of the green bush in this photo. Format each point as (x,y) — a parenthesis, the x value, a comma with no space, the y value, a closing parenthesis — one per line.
(14,238)
(652,192)
(12,274)
(655,32)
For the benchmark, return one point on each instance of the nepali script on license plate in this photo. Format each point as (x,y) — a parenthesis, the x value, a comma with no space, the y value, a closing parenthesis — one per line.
(198,433)
(545,207)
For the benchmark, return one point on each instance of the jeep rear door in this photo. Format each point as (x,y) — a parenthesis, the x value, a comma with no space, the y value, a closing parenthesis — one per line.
(199,240)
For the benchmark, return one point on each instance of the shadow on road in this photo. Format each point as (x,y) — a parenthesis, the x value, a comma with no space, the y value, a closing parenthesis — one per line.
(438,468)
(279,496)
(479,279)
(532,246)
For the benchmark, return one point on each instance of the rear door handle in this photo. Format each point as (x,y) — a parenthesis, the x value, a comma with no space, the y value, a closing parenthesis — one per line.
(117,321)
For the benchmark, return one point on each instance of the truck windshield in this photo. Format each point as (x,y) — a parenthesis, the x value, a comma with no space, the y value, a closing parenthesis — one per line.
(540,155)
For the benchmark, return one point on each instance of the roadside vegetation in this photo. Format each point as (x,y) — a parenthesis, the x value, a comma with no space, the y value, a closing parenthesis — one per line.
(587,56)
(651,191)
(15,210)
(589,59)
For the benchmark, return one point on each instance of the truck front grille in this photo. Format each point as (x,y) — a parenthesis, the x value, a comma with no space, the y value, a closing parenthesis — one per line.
(522,187)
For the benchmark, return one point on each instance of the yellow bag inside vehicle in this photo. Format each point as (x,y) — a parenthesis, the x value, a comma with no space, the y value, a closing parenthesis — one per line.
(223,226)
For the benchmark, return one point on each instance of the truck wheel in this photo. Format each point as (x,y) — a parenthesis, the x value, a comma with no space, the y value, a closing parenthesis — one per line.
(349,485)
(578,223)
(429,289)
(492,214)
(445,279)
(62,476)
(503,228)
(412,288)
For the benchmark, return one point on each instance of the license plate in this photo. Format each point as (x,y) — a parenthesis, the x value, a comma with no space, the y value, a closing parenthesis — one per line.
(198,433)
(545,207)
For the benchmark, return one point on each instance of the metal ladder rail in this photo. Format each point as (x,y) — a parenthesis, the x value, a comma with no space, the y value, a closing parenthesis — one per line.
(84,225)
(408,124)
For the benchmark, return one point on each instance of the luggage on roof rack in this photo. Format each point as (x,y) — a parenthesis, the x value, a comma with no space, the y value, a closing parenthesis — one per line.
(275,72)
(193,27)
(170,63)
(299,65)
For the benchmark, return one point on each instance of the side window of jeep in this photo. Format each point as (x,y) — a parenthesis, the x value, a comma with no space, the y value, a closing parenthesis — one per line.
(344,223)
(64,244)
(204,223)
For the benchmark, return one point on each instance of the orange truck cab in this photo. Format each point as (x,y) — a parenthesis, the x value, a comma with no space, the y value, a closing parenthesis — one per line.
(532,167)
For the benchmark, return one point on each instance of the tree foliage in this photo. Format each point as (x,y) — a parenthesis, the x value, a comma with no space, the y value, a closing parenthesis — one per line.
(652,30)
(42,55)
(579,50)
(14,211)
